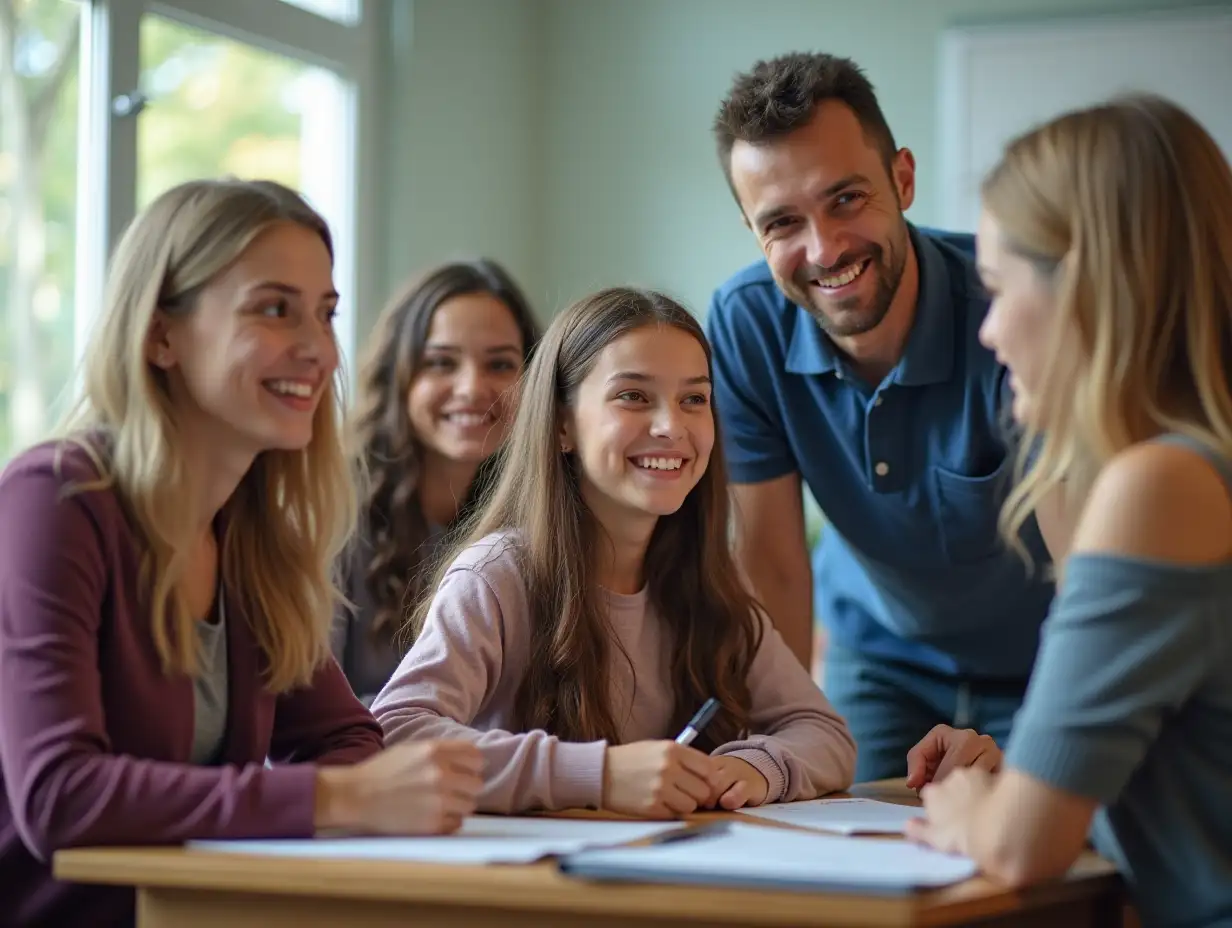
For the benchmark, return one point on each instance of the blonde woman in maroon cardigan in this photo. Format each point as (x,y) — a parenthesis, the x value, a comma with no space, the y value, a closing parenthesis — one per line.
(165,571)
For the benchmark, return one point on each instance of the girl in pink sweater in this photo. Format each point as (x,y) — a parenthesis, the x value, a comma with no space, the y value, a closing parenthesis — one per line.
(594,605)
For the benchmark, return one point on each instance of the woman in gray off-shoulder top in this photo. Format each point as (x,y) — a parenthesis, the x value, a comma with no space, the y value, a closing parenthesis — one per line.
(1106,241)
(437,395)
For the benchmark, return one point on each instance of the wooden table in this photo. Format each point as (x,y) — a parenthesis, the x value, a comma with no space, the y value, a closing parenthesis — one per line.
(180,888)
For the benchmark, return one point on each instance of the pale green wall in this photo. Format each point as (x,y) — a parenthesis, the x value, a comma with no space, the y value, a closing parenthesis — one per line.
(570,138)
(463,136)
(636,194)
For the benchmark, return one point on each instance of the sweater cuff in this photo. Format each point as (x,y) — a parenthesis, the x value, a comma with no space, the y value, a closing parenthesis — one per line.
(766,765)
(577,774)
(288,801)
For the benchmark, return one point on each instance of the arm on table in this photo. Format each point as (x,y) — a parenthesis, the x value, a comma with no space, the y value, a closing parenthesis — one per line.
(450,675)
(1125,647)
(65,787)
(798,742)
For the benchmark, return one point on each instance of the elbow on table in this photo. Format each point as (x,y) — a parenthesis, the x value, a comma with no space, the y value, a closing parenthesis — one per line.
(1016,866)
(833,772)
(846,772)
(839,771)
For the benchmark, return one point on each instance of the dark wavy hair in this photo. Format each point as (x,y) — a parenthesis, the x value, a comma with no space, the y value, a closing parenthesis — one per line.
(392,521)
(713,622)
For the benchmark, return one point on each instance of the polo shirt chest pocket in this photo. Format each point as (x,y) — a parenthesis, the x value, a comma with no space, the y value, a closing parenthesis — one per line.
(967,509)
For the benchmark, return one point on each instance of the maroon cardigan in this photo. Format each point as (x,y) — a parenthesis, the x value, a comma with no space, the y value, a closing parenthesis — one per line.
(95,738)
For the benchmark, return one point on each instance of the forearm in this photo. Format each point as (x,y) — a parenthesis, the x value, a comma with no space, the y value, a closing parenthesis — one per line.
(785,591)
(522,771)
(808,759)
(1024,831)
(808,743)
(112,800)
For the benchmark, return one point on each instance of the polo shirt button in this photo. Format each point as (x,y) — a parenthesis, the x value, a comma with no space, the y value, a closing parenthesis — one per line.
(877,401)
(838,374)
(882,468)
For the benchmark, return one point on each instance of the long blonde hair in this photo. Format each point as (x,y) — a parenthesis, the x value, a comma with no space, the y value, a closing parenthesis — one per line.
(1126,209)
(293,511)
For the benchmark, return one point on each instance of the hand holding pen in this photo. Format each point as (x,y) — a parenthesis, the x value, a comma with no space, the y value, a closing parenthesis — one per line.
(661,779)
(734,782)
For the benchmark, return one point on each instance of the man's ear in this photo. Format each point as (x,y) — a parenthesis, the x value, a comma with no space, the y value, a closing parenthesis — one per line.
(903,174)
(158,343)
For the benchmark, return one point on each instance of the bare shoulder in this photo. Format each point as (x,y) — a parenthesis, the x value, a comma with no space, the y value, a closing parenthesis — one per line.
(1161,502)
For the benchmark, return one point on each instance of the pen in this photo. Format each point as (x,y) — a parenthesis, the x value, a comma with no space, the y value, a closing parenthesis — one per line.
(688,834)
(698,722)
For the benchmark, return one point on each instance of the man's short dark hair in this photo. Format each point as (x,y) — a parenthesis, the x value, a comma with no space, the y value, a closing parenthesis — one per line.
(779,95)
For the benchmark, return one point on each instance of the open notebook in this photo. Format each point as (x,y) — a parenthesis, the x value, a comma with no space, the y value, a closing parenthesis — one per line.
(482,839)
(845,816)
(757,856)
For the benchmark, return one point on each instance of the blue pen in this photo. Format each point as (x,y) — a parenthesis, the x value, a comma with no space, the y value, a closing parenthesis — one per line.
(699,721)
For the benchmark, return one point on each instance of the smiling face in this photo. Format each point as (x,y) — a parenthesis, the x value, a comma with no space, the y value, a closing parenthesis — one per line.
(829,217)
(1018,326)
(459,401)
(251,360)
(641,426)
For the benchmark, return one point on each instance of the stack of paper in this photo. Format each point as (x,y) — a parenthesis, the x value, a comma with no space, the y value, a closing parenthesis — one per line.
(845,816)
(482,839)
(776,858)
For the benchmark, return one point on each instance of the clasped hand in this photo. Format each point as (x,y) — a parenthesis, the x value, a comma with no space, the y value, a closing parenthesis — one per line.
(663,779)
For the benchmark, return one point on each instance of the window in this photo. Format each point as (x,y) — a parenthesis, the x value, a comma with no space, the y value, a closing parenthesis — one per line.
(106,103)
(343,11)
(40,45)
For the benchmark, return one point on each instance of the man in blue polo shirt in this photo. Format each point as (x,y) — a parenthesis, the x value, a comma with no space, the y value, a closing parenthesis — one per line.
(849,358)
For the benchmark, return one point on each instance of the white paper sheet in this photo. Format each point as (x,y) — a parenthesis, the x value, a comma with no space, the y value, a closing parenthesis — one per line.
(844,816)
(759,856)
(482,839)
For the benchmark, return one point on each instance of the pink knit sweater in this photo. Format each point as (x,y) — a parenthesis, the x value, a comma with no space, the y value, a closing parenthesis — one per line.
(461,677)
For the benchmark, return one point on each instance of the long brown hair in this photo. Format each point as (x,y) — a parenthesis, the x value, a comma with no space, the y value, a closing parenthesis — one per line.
(692,583)
(392,523)
(1125,209)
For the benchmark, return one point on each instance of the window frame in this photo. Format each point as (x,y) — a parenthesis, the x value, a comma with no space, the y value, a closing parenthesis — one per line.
(107,160)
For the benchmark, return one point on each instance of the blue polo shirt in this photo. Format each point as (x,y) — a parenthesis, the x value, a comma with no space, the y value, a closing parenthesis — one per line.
(910,474)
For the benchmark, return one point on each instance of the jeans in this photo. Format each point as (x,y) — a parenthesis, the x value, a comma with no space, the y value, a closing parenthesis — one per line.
(890,706)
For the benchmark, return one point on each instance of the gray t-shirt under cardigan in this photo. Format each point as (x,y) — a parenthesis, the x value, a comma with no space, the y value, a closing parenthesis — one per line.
(210,689)
(1130,704)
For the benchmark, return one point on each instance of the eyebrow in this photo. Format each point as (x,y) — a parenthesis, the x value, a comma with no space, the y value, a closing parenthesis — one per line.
(495,349)
(838,186)
(646,378)
(289,290)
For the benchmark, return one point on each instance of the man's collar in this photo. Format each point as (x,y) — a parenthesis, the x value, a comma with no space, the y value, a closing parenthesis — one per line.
(928,356)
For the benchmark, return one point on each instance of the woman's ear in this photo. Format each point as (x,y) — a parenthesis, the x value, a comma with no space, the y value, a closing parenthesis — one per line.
(567,443)
(157,343)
